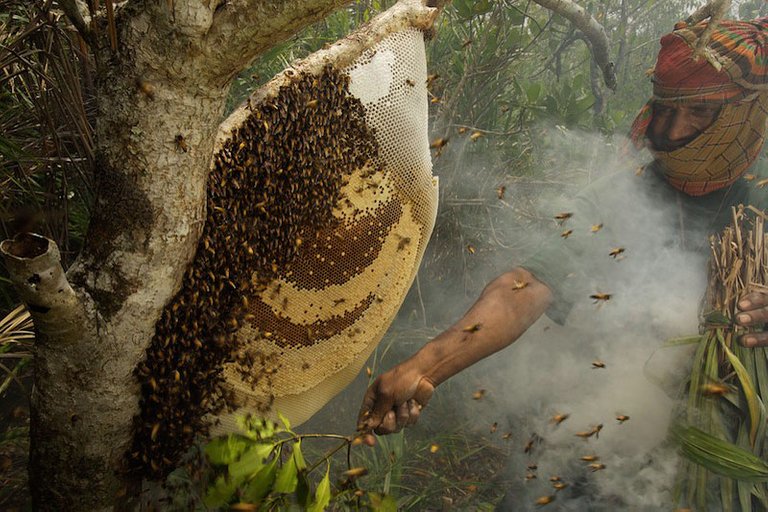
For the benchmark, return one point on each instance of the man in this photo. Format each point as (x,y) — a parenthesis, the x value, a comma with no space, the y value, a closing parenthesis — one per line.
(705,126)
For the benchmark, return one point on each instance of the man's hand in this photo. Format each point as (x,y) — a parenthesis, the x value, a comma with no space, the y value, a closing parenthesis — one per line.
(754,313)
(395,399)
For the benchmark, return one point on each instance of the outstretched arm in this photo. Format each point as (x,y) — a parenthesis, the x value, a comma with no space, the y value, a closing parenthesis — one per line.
(506,308)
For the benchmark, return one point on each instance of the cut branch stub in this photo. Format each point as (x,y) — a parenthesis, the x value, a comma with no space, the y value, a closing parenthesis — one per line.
(34,265)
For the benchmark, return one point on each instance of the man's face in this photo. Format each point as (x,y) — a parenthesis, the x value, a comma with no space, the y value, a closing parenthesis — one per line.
(675,125)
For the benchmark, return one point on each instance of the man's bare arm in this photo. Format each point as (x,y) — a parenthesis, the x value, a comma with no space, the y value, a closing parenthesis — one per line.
(506,308)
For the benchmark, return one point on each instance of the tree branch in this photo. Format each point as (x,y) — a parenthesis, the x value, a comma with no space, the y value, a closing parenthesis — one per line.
(714,10)
(411,13)
(75,17)
(593,30)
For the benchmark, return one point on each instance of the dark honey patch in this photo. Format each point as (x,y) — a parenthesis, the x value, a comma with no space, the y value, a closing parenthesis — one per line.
(274,185)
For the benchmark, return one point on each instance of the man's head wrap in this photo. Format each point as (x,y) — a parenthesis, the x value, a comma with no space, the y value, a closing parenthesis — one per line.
(733,73)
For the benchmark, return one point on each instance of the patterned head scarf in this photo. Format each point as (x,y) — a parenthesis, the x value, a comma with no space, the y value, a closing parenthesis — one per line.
(734,75)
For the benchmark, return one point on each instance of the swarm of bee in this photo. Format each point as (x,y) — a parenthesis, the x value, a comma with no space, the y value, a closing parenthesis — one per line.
(274,183)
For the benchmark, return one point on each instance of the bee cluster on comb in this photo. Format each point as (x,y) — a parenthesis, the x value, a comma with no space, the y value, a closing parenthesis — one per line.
(274,183)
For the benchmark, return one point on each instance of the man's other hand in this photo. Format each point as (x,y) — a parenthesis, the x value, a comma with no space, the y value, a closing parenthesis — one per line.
(753,313)
(395,400)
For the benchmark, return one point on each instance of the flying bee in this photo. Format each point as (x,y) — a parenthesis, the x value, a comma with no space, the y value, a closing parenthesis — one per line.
(470,249)
(596,227)
(461,130)
(563,216)
(519,285)
(600,297)
(597,363)
(640,170)
(355,472)
(749,177)
(566,233)
(555,478)
(500,191)
(544,500)
(478,395)
(530,476)
(532,466)
(714,388)
(559,418)
(368,371)
(529,445)
(621,418)
(439,143)
(433,448)
(472,328)
(431,79)
(596,466)
(616,252)
(181,143)
(494,427)
(762,183)
(507,436)
(475,135)
(589,458)
(434,100)
(559,486)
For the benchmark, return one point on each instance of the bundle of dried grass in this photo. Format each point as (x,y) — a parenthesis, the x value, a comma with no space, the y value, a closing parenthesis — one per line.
(722,432)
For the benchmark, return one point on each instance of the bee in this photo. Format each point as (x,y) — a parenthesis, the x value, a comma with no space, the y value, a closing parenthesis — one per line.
(155,431)
(596,466)
(600,297)
(470,249)
(312,103)
(478,395)
(535,439)
(355,472)
(368,371)
(530,476)
(563,216)
(494,427)
(439,143)
(621,418)
(472,328)
(471,488)
(532,466)
(762,183)
(403,243)
(433,448)
(431,78)
(640,170)
(559,486)
(410,82)
(544,500)
(500,191)
(597,363)
(616,252)
(181,144)
(336,302)
(475,135)
(566,233)
(559,418)
(596,227)
(507,436)
(589,458)
(466,43)
(714,389)
(146,87)
(519,285)
(461,130)
(749,177)
(434,100)
(555,478)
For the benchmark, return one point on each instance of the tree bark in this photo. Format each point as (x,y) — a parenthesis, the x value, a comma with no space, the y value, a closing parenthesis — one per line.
(160,96)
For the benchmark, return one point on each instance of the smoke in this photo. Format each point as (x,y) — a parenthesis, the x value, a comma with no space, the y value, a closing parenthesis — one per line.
(655,288)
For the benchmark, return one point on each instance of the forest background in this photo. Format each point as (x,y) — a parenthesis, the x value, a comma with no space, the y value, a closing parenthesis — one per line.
(508,74)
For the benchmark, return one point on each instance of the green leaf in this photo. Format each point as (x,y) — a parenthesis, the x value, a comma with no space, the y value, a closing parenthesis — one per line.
(260,485)
(719,456)
(287,477)
(301,464)
(284,421)
(683,340)
(251,462)
(220,493)
(322,493)
(225,450)
(754,404)
(533,92)
(382,503)
(715,318)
